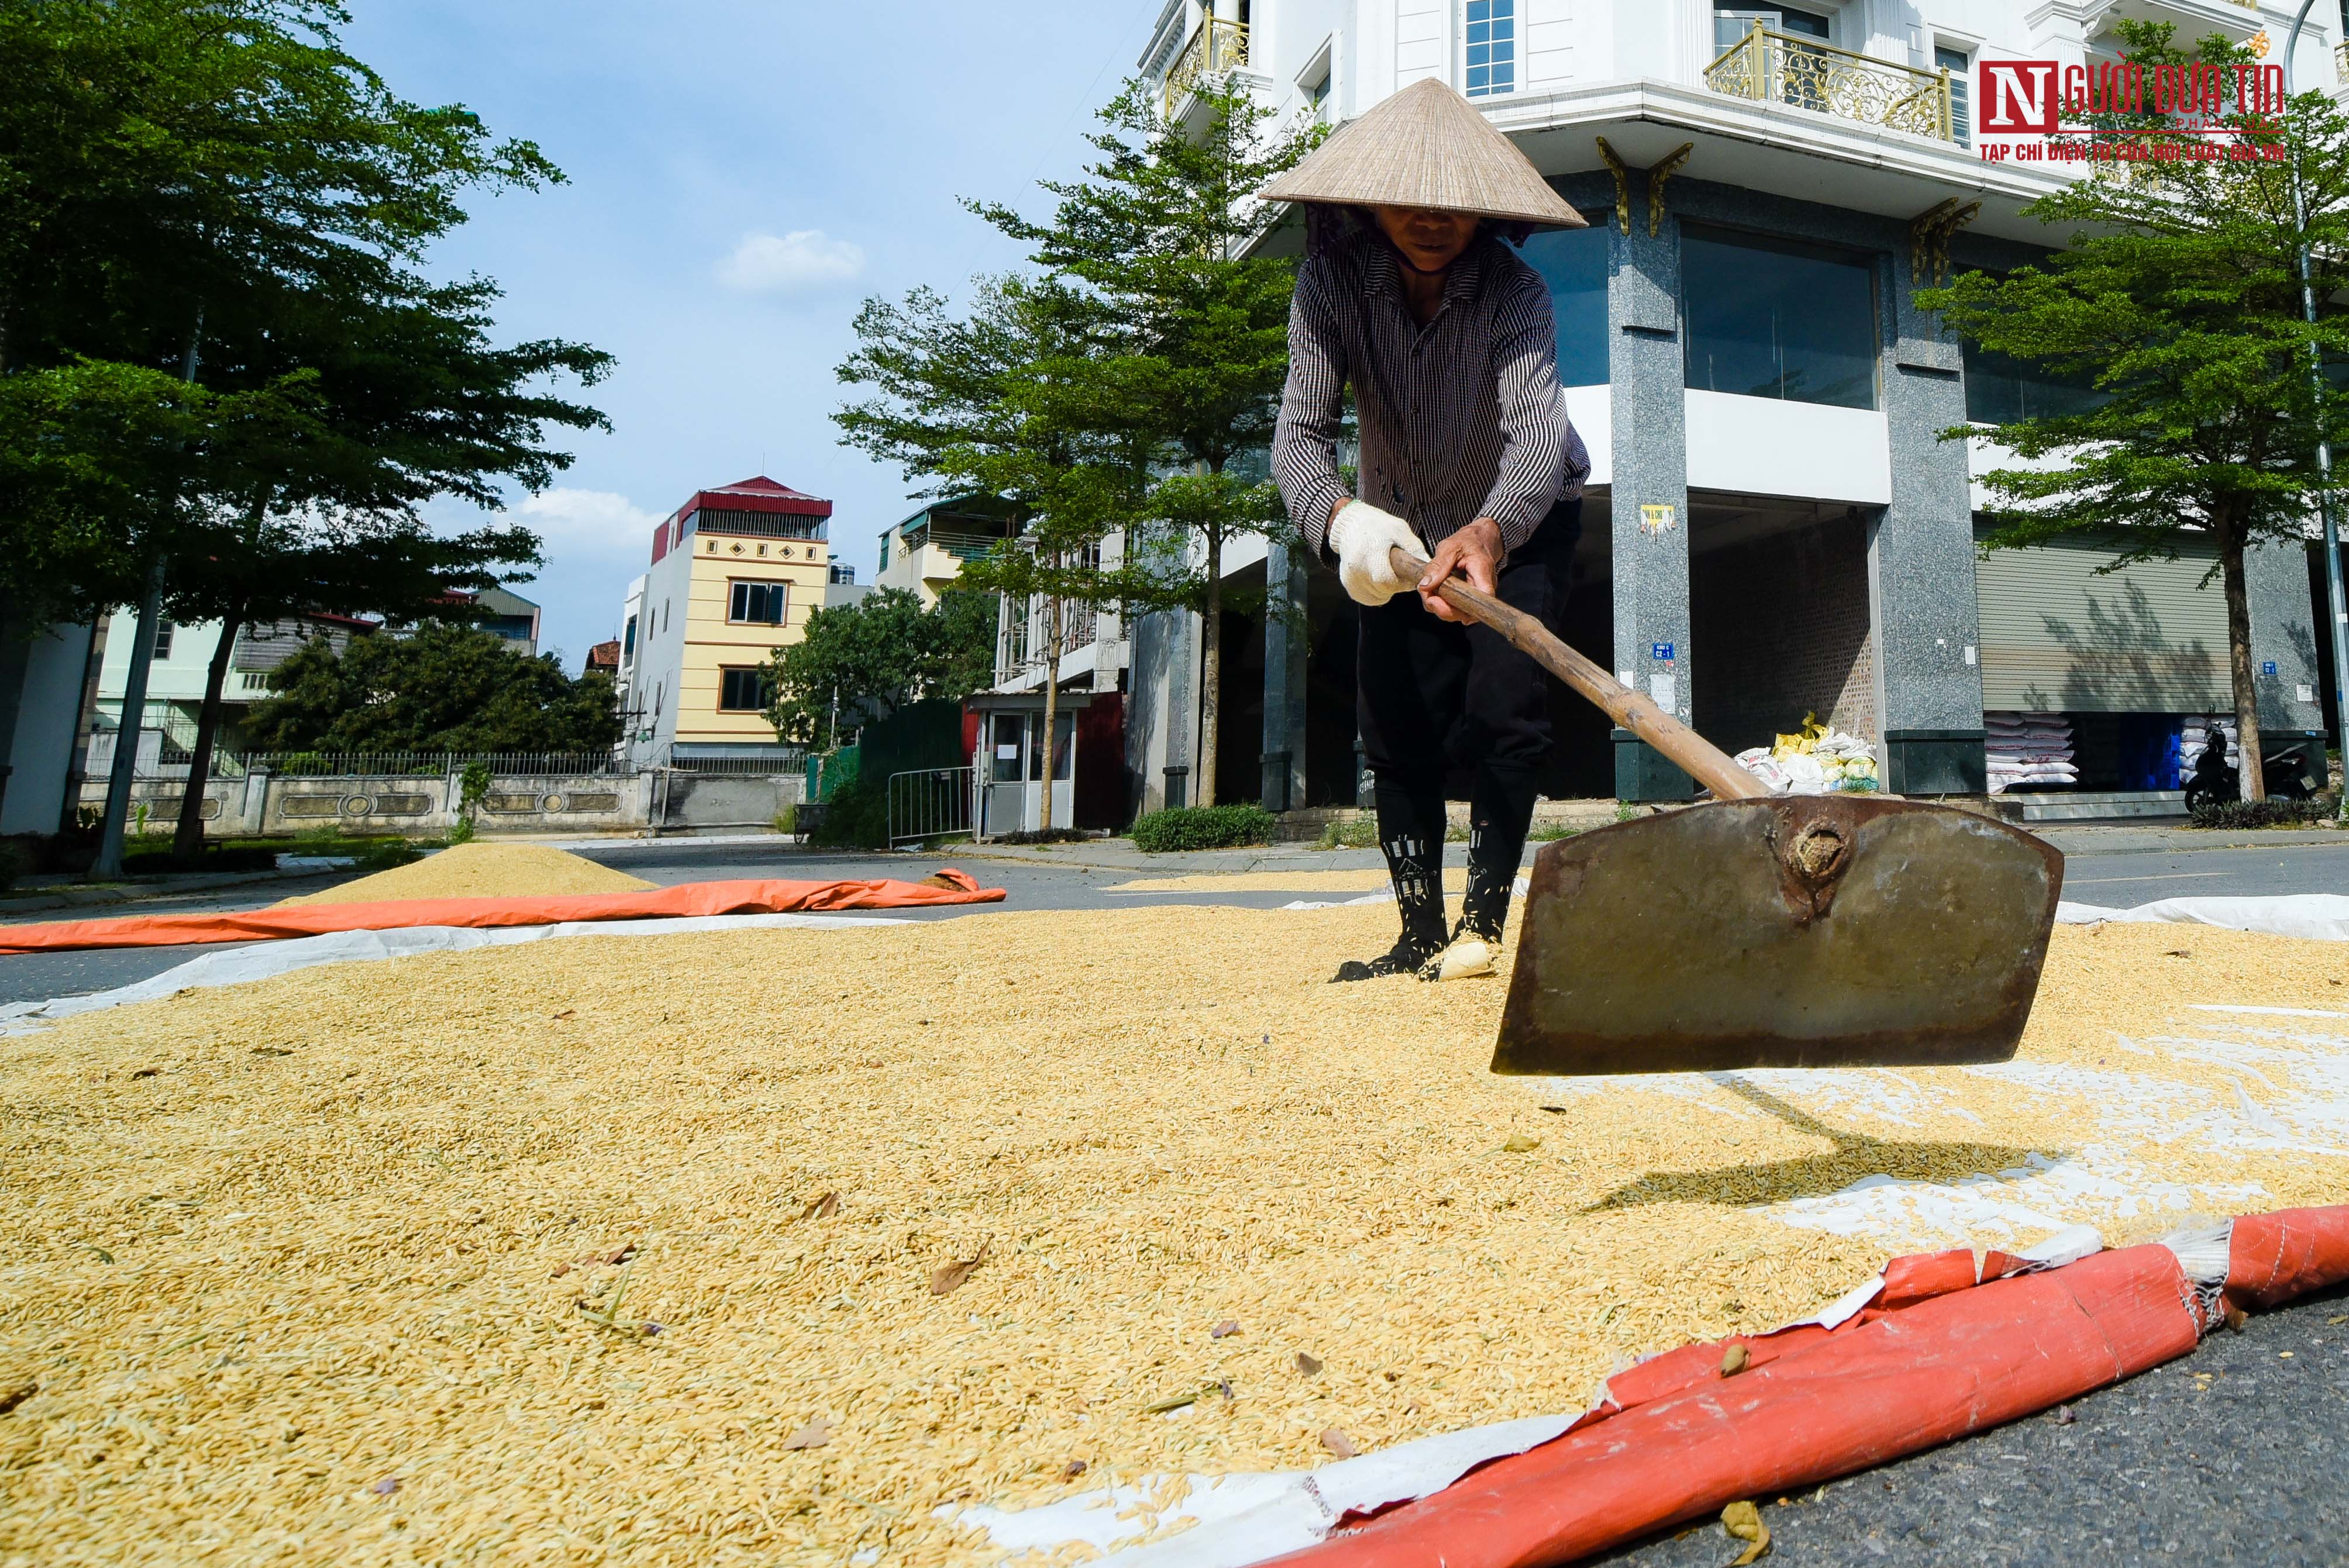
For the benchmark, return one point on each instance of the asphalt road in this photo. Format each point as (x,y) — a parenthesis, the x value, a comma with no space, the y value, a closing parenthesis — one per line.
(2231,1455)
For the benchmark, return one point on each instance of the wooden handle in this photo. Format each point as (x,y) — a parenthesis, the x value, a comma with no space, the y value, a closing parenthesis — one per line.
(1698,757)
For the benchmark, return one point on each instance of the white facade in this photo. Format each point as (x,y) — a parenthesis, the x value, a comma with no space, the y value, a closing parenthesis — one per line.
(1856,140)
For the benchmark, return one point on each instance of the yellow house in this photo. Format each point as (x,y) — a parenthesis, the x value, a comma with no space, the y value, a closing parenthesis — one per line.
(735,573)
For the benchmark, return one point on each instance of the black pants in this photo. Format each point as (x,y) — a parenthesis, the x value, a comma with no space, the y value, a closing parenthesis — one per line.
(1439,693)
(1434,694)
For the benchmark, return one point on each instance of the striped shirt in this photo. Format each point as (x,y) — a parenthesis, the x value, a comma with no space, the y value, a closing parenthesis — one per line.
(1461,419)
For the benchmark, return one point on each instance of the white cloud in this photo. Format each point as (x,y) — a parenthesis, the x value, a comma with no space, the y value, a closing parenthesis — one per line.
(802,259)
(586,522)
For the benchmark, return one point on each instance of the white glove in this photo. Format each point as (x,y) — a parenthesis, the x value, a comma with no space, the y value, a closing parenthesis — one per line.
(1362,535)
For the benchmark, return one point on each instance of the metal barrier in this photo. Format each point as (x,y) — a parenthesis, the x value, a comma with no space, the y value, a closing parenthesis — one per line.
(929,804)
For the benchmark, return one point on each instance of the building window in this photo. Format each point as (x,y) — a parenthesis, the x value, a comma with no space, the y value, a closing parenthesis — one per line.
(1777,318)
(628,640)
(2001,388)
(1492,47)
(163,630)
(743,690)
(1960,66)
(1573,263)
(757,603)
(885,556)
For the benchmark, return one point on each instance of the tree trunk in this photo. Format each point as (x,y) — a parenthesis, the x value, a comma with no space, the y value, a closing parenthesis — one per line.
(134,689)
(1211,671)
(125,734)
(188,842)
(1052,705)
(2239,662)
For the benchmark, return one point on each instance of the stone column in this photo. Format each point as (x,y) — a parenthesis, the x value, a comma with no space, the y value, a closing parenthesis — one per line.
(2285,623)
(1920,561)
(1285,645)
(1648,402)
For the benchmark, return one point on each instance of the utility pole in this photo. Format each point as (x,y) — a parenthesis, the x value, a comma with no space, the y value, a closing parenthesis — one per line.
(2336,603)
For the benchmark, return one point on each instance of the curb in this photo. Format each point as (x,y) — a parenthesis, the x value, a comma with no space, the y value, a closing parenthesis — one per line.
(1946,1346)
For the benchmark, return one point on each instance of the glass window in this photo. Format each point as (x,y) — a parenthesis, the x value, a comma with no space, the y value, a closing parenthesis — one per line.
(628,639)
(1959,64)
(2001,388)
(742,690)
(758,604)
(1777,318)
(1573,263)
(1492,59)
(1011,747)
(162,640)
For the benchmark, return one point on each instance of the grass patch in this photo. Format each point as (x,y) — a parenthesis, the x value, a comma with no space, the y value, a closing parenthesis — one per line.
(2273,812)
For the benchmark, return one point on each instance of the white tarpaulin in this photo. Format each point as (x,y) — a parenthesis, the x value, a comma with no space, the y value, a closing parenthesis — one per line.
(1244,1519)
(2319,916)
(265,959)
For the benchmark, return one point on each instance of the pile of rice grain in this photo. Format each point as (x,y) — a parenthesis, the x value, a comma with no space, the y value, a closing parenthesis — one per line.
(365,1264)
(483,870)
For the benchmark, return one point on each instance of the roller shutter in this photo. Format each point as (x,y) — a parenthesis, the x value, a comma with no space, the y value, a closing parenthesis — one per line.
(2149,638)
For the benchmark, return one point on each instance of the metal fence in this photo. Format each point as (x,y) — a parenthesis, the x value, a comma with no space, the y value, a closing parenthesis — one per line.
(413,764)
(930,804)
(789,759)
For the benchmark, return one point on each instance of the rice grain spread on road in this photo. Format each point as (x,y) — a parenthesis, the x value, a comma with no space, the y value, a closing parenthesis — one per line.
(483,870)
(764,1245)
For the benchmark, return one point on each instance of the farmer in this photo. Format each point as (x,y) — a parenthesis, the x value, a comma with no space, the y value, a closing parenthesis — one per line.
(1409,296)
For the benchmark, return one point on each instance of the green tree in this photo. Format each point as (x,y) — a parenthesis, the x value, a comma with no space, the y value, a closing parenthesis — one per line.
(862,662)
(2180,298)
(999,403)
(445,687)
(1191,344)
(195,188)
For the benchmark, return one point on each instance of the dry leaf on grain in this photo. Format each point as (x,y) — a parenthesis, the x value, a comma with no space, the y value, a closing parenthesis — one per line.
(823,1208)
(1338,1443)
(1519,1143)
(1225,1329)
(1308,1365)
(814,1435)
(947,1280)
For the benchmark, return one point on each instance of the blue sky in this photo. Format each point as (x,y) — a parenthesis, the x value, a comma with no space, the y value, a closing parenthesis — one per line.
(741,176)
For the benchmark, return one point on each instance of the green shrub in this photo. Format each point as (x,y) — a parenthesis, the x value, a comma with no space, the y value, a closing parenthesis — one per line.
(461,832)
(1202,827)
(2273,812)
(1359,833)
(787,820)
(1045,836)
(854,817)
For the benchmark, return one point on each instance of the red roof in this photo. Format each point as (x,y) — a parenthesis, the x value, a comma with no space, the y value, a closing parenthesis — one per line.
(760,494)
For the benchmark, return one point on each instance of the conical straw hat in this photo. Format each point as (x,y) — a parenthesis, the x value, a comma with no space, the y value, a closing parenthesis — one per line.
(1426,147)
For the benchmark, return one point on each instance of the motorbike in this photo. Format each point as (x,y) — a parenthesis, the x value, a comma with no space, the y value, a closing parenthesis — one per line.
(2291,772)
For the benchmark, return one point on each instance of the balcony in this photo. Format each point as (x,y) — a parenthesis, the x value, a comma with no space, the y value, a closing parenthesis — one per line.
(1779,67)
(1217,46)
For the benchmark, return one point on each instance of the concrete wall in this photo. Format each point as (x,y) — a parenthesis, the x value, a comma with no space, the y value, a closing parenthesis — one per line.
(265,805)
(40,703)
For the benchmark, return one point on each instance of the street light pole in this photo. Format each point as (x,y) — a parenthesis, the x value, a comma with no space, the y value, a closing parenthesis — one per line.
(2336,603)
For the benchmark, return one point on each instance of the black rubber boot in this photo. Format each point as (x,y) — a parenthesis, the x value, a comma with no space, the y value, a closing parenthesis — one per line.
(1499,814)
(1410,832)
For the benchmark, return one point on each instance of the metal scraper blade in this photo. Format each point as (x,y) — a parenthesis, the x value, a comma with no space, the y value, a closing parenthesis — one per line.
(1792,932)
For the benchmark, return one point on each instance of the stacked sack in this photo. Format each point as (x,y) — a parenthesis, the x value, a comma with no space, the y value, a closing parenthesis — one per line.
(1814,760)
(2028,748)
(2194,738)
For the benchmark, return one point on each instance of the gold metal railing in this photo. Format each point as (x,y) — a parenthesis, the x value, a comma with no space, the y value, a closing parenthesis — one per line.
(2340,60)
(1779,67)
(1217,46)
